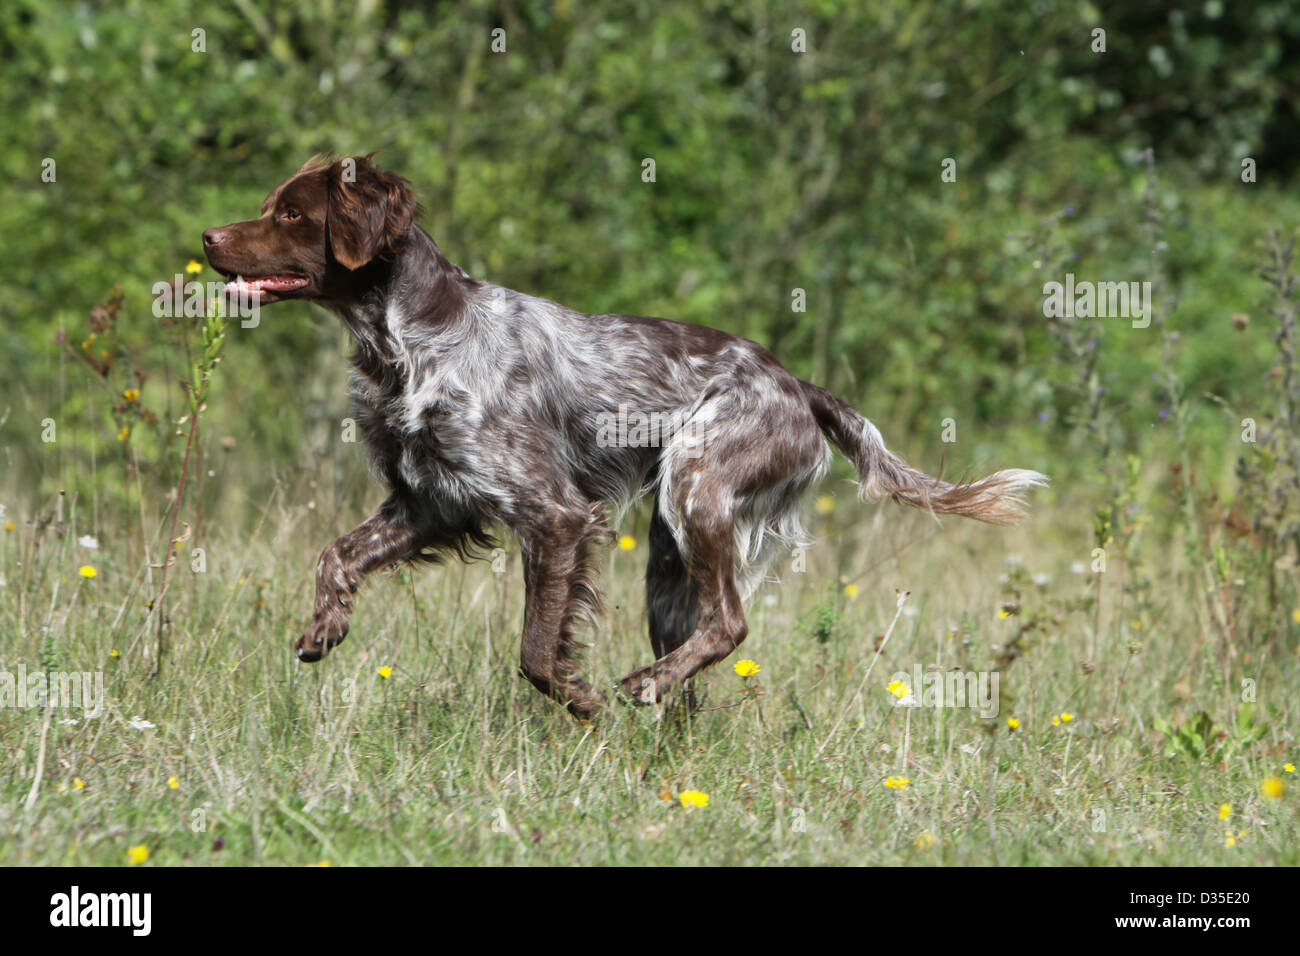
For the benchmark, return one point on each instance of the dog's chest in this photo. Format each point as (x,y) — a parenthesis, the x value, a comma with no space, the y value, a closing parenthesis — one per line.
(423,401)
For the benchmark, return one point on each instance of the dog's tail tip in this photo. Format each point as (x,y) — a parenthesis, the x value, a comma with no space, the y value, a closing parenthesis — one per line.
(1003,501)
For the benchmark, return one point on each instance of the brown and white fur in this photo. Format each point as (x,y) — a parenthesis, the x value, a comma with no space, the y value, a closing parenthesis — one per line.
(482,405)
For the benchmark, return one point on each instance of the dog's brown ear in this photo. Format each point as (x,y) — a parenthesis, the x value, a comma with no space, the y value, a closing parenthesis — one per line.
(370,211)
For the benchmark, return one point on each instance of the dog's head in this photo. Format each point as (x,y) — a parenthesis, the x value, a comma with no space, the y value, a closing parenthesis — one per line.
(317,228)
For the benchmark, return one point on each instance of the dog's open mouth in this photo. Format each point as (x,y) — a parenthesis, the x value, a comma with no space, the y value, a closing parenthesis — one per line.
(256,285)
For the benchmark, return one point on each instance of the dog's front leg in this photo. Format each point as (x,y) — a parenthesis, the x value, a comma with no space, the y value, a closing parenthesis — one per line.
(560,591)
(385,538)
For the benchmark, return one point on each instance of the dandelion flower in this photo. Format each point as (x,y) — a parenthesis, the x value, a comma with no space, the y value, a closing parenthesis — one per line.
(1012,723)
(173,783)
(1225,811)
(694,798)
(131,394)
(114,653)
(924,840)
(385,672)
(9,526)
(897,783)
(193,267)
(87,571)
(851,590)
(825,504)
(1272,787)
(626,543)
(747,668)
(898,688)
(1288,768)
(78,783)
(1066,718)
(1003,614)
(1229,840)
(137,854)
(1056,721)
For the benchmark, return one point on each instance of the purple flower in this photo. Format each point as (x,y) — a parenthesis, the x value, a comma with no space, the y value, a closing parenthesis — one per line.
(1164,413)
(1042,416)
(1069,210)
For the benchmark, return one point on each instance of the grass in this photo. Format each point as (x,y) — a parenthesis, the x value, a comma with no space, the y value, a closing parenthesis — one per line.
(454,759)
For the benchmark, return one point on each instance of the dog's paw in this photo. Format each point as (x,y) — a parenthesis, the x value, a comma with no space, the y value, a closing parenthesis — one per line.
(642,686)
(586,702)
(325,632)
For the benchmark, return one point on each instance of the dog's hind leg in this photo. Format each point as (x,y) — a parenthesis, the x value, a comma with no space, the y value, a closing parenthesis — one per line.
(719,617)
(671,600)
(729,493)
(560,591)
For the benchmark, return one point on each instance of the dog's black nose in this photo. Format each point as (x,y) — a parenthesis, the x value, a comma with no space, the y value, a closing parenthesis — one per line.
(213,237)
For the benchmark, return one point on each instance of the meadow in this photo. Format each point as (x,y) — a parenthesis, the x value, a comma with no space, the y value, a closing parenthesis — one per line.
(417,742)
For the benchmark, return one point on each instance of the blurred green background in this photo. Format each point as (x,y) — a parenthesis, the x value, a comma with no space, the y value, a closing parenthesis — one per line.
(775,170)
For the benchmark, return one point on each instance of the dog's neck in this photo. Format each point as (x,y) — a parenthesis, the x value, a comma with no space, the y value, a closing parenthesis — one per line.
(431,289)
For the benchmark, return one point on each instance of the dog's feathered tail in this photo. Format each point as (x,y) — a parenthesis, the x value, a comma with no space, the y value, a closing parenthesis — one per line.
(997,499)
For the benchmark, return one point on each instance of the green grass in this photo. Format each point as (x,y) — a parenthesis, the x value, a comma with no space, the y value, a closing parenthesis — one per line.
(454,759)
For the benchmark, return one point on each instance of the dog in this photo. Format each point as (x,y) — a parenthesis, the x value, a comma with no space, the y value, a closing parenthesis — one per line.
(485,406)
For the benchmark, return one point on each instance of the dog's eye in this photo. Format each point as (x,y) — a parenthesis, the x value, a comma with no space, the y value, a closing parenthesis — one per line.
(291,214)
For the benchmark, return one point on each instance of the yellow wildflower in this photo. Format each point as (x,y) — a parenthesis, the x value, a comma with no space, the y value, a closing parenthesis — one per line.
(851,590)
(693,798)
(1012,723)
(193,267)
(123,432)
(626,543)
(898,689)
(173,783)
(1066,718)
(825,504)
(747,668)
(87,571)
(131,394)
(897,783)
(1272,787)
(137,854)
(385,672)
(1288,767)
(1225,811)
(78,783)
(924,840)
